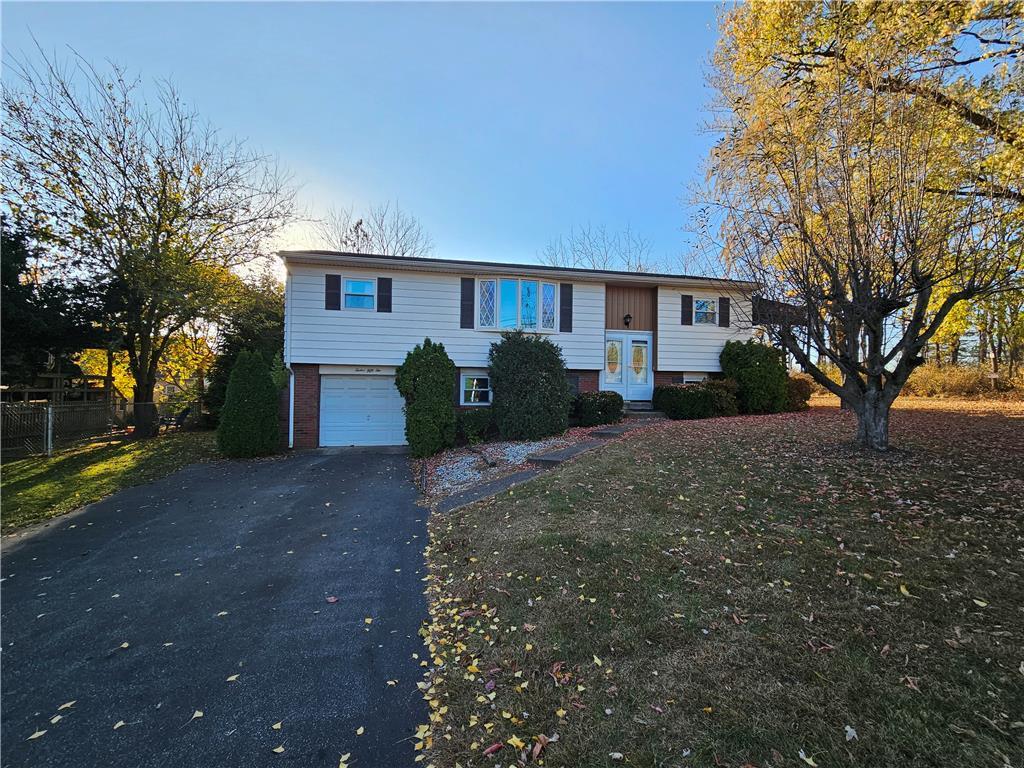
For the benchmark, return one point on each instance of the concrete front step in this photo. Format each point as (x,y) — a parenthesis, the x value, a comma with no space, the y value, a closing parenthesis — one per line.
(554,458)
(644,414)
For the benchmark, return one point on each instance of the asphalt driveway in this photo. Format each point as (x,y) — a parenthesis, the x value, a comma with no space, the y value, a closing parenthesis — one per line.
(140,608)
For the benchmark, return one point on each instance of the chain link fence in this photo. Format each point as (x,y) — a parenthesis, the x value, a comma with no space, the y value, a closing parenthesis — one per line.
(39,429)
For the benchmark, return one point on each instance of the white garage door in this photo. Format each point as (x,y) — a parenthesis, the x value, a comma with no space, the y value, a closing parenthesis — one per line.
(360,410)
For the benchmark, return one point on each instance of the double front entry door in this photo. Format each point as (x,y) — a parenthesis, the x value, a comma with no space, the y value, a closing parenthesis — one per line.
(627,364)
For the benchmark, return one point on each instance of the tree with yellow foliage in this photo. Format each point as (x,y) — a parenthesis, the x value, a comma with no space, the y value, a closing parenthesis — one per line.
(869,172)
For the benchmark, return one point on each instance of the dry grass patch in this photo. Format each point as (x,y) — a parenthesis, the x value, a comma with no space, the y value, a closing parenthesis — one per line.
(742,591)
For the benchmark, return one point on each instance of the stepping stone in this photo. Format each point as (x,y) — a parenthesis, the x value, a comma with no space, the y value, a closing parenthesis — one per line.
(554,458)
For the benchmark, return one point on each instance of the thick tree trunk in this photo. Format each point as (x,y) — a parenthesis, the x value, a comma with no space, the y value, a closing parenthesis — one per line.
(873,422)
(146,417)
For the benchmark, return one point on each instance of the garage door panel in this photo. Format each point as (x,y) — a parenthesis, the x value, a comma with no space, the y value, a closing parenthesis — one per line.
(360,410)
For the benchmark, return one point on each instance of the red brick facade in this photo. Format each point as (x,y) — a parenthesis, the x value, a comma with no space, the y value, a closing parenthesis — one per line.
(306,379)
(588,380)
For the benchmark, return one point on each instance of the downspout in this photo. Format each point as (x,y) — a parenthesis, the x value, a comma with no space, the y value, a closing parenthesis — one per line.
(288,358)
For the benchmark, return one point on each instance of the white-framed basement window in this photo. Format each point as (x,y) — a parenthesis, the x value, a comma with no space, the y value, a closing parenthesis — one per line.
(705,311)
(506,303)
(359,293)
(475,389)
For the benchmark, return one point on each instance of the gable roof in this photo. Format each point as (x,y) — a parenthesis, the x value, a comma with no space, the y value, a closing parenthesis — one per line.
(422,264)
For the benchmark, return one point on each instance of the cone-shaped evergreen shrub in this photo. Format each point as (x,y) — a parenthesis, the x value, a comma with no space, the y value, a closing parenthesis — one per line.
(248,421)
(426,380)
(531,397)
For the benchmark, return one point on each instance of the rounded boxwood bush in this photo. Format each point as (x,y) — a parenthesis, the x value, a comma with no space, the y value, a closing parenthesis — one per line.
(592,408)
(426,381)
(684,401)
(723,396)
(760,374)
(474,425)
(798,392)
(249,419)
(530,394)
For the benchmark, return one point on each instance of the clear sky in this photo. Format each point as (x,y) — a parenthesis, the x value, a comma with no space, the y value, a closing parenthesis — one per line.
(499,126)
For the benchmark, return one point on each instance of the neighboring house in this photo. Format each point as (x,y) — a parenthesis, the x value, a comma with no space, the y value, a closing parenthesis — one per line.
(351,318)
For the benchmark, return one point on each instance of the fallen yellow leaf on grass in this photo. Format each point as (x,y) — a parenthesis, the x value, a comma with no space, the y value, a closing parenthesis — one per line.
(597,661)
(277,726)
(808,760)
(278,749)
(35,735)
(516,742)
(904,591)
(980,603)
(560,713)
(118,724)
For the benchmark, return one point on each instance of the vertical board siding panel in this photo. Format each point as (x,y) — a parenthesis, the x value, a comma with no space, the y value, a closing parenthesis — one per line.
(637,301)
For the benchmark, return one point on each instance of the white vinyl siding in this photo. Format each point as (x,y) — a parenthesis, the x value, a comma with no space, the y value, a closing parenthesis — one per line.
(696,347)
(424,304)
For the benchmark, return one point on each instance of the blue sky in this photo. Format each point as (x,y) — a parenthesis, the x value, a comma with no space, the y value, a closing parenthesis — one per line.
(499,126)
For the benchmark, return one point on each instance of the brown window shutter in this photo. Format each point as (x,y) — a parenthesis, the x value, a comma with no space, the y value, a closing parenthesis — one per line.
(332,292)
(383,294)
(723,311)
(565,307)
(466,306)
(686,317)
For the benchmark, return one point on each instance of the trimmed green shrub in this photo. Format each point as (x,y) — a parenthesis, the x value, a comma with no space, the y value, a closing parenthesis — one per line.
(426,381)
(530,394)
(798,392)
(684,401)
(760,373)
(592,408)
(249,419)
(474,425)
(723,396)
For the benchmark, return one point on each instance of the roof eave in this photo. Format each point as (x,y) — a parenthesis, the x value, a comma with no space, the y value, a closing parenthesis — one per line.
(320,258)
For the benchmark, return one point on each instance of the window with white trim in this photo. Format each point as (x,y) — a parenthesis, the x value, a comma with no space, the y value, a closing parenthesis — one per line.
(476,389)
(705,311)
(508,302)
(359,294)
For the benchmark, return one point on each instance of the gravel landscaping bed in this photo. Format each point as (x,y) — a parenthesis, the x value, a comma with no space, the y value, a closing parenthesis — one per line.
(456,469)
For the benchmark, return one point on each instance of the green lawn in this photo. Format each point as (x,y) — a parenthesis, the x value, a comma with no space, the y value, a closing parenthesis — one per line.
(39,488)
(746,591)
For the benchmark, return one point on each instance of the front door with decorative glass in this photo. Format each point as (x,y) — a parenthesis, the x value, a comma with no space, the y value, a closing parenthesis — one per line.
(627,364)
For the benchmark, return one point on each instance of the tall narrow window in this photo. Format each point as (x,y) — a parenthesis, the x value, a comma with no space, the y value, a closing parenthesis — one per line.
(528,304)
(547,306)
(508,311)
(359,294)
(488,301)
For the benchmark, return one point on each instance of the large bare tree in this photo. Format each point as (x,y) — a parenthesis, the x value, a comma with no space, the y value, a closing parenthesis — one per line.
(877,210)
(597,248)
(385,229)
(143,198)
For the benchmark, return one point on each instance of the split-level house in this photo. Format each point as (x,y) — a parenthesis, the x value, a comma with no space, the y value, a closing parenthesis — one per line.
(350,320)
